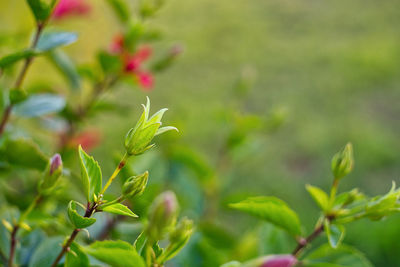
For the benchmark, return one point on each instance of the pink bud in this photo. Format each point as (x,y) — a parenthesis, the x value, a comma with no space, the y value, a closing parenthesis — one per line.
(131,64)
(117,44)
(66,8)
(55,163)
(280,261)
(146,80)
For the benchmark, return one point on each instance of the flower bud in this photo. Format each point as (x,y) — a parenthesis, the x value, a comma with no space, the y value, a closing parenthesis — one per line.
(162,215)
(343,162)
(138,138)
(135,185)
(279,261)
(182,232)
(52,173)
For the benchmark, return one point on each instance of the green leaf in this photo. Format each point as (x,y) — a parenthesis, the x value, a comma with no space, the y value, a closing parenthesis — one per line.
(46,253)
(66,67)
(335,233)
(115,253)
(91,175)
(15,57)
(109,63)
(39,105)
(140,242)
(76,219)
(25,153)
(121,9)
(272,210)
(51,40)
(344,256)
(120,209)
(319,196)
(40,9)
(76,257)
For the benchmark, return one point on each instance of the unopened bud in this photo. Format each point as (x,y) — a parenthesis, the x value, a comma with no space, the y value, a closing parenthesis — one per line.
(182,232)
(162,215)
(279,261)
(343,162)
(135,185)
(52,173)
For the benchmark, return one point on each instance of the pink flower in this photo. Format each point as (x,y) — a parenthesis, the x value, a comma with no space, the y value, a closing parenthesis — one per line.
(66,8)
(280,261)
(146,80)
(131,64)
(117,44)
(143,53)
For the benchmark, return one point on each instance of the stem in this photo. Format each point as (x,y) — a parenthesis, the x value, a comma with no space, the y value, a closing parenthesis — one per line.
(303,243)
(115,173)
(89,211)
(21,77)
(13,244)
(334,190)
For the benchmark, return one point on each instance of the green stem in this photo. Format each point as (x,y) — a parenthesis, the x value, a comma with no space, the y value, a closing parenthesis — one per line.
(115,173)
(333,192)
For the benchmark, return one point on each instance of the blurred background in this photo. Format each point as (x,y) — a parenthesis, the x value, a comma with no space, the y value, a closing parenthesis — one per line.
(264,94)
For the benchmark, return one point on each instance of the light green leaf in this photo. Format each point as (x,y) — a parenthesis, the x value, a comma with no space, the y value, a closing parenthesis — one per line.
(140,242)
(91,174)
(335,233)
(344,256)
(66,67)
(39,105)
(46,253)
(115,253)
(51,40)
(25,153)
(166,129)
(121,9)
(15,57)
(76,219)
(76,257)
(272,210)
(319,196)
(120,209)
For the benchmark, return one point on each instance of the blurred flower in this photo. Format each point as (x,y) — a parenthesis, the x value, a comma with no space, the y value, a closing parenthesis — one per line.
(66,8)
(146,80)
(117,44)
(87,139)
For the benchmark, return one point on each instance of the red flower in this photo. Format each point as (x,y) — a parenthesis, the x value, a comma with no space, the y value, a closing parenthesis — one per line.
(143,53)
(117,44)
(66,8)
(146,80)
(87,139)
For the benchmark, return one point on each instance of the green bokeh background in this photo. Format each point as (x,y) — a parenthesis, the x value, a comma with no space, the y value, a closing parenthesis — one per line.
(333,65)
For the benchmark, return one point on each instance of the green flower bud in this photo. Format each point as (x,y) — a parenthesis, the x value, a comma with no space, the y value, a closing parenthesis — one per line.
(343,162)
(138,138)
(135,185)
(162,215)
(51,175)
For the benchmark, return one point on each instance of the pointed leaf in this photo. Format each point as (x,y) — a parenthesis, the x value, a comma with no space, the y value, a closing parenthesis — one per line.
(40,9)
(120,8)
(335,233)
(140,242)
(319,196)
(166,129)
(51,40)
(25,153)
(272,210)
(91,174)
(76,219)
(15,57)
(120,209)
(115,253)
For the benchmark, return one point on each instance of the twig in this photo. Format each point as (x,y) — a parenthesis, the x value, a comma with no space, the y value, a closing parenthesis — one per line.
(13,244)
(304,242)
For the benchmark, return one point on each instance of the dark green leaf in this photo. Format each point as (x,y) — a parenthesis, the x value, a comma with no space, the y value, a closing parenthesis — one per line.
(25,153)
(15,57)
(344,256)
(115,253)
(39,105)
(121,9)
(319,196)
(47,252)
(91,174)
(40,9)
(65,65)
(272,210)
(51,40)
(120,209)
(76,219)
(76,257)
